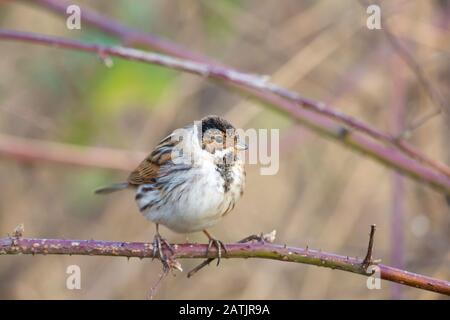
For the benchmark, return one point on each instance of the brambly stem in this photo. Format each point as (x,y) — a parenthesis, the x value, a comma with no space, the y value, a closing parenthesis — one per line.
(18,245)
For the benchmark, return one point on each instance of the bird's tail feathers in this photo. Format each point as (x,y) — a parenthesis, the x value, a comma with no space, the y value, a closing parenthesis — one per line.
(112,188)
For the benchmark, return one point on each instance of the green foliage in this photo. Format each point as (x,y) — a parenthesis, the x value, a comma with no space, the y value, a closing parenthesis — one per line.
(109,93)
(128,84)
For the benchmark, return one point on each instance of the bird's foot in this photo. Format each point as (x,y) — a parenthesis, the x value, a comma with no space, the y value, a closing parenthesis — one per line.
(219,245)
(158,243)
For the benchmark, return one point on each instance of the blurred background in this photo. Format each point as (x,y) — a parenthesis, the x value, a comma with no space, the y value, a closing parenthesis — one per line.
(324,195)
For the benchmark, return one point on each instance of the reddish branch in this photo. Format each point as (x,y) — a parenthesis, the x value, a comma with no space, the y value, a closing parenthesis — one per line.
(355,140)
(33,150)
(134,37)
(18,245)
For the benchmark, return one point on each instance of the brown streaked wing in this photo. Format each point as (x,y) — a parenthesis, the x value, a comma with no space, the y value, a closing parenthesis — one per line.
(144,173)
(148,169)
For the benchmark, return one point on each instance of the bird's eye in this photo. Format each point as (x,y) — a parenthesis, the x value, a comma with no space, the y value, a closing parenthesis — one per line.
(219,139)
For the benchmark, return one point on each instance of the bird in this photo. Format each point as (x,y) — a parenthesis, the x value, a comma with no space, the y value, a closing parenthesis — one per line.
(190,181)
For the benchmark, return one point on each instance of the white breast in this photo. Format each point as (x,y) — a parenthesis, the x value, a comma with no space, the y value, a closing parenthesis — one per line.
(196,201)
(190,199)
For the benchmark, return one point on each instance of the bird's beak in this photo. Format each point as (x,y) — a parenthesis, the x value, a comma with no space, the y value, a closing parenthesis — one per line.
(241,146)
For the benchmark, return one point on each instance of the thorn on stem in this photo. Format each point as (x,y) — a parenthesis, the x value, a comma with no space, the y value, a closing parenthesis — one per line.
(342,133)
(368,259)
(18,231)
(106,59)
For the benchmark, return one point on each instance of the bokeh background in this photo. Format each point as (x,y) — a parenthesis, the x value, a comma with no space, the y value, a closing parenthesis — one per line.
(324,195)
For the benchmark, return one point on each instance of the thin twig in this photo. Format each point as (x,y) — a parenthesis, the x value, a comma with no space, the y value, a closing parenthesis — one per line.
(420,121)
(432,93)
(424,81)
(154,288)
(234,250)
(368,259)
(357,141)
(132,36)
(128,35)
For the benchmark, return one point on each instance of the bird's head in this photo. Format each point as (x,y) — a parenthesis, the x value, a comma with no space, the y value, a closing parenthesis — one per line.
(219,138)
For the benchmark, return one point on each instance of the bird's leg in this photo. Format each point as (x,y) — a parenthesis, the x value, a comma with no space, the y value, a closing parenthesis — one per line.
(157,246)
(269,237)
(217,243)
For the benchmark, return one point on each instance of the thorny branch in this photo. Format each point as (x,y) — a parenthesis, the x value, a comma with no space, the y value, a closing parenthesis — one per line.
(355,140)
(16,244)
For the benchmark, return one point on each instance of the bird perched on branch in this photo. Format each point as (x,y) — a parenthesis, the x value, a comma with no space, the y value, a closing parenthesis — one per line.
(190,181)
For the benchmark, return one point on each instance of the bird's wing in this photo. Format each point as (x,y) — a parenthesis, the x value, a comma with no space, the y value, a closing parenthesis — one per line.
(148,169)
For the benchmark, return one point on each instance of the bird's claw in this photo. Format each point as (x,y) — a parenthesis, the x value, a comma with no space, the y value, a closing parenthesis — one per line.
(219,245)
(158,241)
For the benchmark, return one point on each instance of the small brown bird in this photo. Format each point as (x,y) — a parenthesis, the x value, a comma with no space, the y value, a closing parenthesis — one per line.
(190,181)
